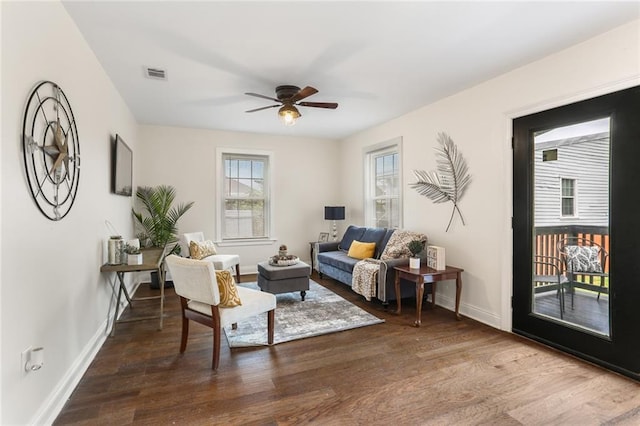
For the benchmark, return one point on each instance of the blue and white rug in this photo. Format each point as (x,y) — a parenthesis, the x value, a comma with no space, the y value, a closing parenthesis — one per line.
(322,312)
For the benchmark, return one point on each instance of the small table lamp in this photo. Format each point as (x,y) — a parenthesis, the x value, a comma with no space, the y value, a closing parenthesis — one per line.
(334,213)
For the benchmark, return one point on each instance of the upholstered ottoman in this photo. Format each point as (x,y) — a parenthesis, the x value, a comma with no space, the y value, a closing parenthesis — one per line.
(284,279)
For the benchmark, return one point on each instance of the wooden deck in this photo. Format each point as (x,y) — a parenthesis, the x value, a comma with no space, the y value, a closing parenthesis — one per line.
(587,312)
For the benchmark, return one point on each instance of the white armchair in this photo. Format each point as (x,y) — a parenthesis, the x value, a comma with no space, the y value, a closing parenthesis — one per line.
(221,262)
(195,282)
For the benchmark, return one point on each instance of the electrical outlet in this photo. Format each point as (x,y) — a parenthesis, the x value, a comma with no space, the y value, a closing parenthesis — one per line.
(24,358)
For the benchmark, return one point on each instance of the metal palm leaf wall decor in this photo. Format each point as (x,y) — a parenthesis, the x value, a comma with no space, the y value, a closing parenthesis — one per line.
(450,179)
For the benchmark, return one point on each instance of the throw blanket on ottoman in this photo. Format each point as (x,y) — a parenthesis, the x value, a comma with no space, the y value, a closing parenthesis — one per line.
(365,278)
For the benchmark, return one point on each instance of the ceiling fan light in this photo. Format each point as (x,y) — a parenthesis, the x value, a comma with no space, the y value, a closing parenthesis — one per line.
(289,114)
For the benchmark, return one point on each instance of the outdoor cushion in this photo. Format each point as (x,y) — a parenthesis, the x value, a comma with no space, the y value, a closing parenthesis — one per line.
(583,259)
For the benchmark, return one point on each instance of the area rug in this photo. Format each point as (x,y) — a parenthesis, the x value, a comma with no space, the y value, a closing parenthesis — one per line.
(322,312)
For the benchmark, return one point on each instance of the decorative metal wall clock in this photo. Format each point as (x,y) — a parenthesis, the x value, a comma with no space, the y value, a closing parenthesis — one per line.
(51,150)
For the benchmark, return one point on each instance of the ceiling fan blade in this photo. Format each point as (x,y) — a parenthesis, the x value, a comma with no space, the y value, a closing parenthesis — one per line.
(304,93)
(267,107)
(330,105)
(263,97)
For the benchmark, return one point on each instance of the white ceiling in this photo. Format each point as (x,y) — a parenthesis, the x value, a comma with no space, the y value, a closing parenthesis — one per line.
(378,60)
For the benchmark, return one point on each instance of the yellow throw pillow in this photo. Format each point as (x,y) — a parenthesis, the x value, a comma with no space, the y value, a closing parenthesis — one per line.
(200,250)
(228,291)
(359,250)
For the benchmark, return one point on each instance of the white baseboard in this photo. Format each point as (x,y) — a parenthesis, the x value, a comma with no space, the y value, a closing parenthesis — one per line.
(56,400)
(470,311)
(54,403)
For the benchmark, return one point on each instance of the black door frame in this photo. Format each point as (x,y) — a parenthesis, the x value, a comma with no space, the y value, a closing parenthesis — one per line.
(621,351)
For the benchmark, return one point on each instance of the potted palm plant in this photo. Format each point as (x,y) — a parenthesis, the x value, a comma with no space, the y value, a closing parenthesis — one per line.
(415,247)
(158,221)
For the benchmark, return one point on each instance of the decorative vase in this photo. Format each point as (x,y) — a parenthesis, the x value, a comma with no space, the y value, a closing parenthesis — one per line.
(414,262)
(114,250)
(134,259)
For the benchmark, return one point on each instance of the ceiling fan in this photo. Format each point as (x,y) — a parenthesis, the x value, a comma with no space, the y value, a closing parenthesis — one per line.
(288,97)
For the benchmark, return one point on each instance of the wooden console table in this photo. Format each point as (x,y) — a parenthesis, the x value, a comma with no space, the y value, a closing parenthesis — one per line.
(429,276)
(152,260)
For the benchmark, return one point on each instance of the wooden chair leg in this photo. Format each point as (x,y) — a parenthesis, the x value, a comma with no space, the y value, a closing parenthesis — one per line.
(185,334)
(238,273)
(216,337)
(185,326)
(271,320)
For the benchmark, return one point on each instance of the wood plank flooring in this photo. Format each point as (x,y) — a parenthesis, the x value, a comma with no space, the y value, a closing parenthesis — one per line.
(447,372)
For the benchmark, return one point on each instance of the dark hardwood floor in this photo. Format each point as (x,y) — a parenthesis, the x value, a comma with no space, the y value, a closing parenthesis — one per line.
(447,372)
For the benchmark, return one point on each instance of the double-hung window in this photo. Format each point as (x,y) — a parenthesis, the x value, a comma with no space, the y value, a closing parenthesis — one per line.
(244,196)
(568,197)
(383,197)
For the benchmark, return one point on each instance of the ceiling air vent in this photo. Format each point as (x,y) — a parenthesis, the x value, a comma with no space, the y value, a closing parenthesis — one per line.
(155,73)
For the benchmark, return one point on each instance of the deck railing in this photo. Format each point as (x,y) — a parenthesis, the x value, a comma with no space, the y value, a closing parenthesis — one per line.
(546,244)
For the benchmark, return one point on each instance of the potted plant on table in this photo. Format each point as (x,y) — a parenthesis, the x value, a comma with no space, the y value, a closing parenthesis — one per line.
(158,221)
(415,247)
(134,257)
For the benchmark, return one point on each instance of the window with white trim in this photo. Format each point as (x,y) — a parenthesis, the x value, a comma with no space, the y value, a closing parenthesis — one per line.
(568,197)
(383,191)
(244,196)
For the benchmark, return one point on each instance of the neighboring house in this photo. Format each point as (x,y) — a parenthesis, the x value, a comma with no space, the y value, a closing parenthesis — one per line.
(574,188)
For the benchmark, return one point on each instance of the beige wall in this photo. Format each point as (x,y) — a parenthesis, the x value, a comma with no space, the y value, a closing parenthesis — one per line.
(479,121)
(304,174)
(53,294)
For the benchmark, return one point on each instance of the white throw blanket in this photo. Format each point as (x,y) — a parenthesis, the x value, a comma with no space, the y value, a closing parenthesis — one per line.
(365,278)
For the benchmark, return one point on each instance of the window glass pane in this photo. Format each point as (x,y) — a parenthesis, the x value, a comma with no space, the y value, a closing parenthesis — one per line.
(257,188)
(382,206)
(395,185)
(258,169)
(245,197)
(388,164)
(231,219)
(382,213)
(395,214)
(258,215)
(244,168)
(231,168)
(581,153)
(567,207)
(379,166)
(379,188)
(567,187)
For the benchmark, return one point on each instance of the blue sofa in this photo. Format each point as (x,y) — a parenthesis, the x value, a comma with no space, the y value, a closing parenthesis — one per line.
(332,260)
